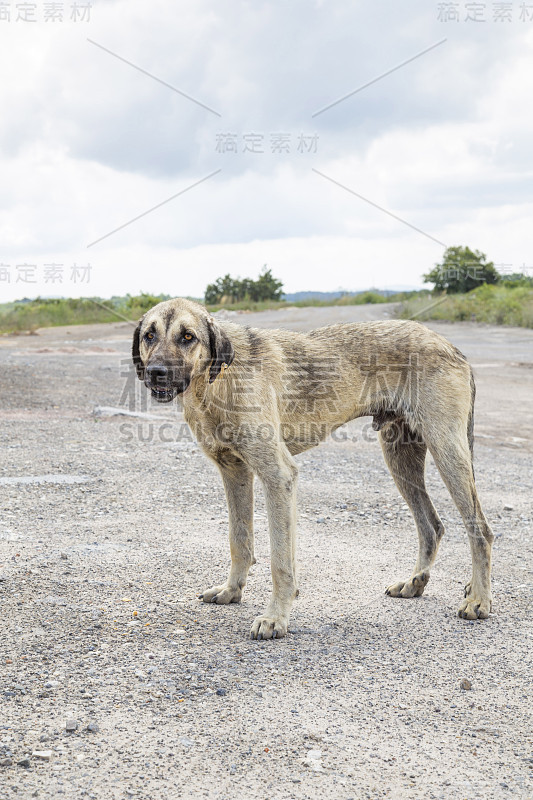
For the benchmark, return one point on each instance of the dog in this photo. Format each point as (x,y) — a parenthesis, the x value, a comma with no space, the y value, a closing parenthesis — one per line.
(256,398)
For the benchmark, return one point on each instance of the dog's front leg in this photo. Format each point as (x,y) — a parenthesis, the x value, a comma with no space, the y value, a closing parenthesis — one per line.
(279,482)
(238,482)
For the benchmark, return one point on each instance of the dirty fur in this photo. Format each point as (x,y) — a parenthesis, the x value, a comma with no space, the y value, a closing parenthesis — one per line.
(256,398)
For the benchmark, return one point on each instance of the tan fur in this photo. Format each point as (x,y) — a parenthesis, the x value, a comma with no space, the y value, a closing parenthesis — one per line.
(283,392)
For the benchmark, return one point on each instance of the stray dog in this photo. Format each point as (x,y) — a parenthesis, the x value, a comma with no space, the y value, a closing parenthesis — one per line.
(255,398)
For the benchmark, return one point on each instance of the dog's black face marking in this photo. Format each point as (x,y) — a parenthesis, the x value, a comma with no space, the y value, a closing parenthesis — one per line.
(168,318)
(186,338)
(150,335)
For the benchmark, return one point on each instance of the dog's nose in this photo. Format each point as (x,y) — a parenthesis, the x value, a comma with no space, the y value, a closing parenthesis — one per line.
(157,373)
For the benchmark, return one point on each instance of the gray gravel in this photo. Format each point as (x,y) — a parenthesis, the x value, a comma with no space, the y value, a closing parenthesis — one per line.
(132,688)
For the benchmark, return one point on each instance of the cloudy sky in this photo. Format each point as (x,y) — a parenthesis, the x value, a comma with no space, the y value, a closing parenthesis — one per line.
(237,142)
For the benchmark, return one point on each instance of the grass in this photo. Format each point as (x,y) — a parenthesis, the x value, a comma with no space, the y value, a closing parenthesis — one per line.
(497,305)
(42,313)
(347,300)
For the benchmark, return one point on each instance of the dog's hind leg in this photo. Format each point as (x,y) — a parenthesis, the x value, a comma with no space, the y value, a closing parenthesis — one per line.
(453,458)
(405,456)
(238,483)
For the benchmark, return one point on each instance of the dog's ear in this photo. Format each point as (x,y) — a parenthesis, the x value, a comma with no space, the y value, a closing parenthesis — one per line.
(135,351)
(222,351)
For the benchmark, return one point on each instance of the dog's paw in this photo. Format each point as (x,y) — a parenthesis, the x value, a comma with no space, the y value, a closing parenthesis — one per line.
(268,628)
(222,595)
(414,587)
(474,607)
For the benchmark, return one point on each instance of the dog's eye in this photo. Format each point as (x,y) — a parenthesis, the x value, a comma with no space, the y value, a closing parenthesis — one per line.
(150,336)
(188,337)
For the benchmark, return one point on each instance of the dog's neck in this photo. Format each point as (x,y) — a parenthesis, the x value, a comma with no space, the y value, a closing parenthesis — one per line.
(203,393)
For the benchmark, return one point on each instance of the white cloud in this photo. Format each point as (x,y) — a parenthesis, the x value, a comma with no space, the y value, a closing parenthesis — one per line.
(88,143)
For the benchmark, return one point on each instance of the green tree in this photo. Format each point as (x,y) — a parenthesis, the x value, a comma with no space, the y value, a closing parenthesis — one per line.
(143,301)
(266,287)
(461,270)
(517,279)
(223,287)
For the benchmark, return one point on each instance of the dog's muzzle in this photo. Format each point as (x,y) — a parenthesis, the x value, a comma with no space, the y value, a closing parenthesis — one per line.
(163,383)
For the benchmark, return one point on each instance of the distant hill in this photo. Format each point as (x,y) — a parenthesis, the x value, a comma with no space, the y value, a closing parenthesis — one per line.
(295,297)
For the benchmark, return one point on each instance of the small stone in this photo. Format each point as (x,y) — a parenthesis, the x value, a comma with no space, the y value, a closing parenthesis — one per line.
(43,737)
(24,762)
(5,762)
(321,520)
(465,684)
(51,684)
(44,755)
(313,760)
(508,508)
(221,692)
(64,556)
(185,741)
(71,725)
(93,727)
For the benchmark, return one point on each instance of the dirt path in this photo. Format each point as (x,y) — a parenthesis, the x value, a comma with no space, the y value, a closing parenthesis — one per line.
(104,516)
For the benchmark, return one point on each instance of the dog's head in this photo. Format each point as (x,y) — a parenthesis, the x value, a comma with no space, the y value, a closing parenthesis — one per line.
(175,342)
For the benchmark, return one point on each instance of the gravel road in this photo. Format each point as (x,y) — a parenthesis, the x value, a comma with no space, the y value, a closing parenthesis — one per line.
(116,682)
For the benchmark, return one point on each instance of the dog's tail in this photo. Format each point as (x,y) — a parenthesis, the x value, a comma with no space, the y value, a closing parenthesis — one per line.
(470,427)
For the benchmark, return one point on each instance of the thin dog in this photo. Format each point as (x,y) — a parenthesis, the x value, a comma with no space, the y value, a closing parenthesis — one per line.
(256,398)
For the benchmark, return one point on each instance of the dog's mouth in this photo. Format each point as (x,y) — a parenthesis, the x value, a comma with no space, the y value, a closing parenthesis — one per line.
(162,394)
(167,393)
